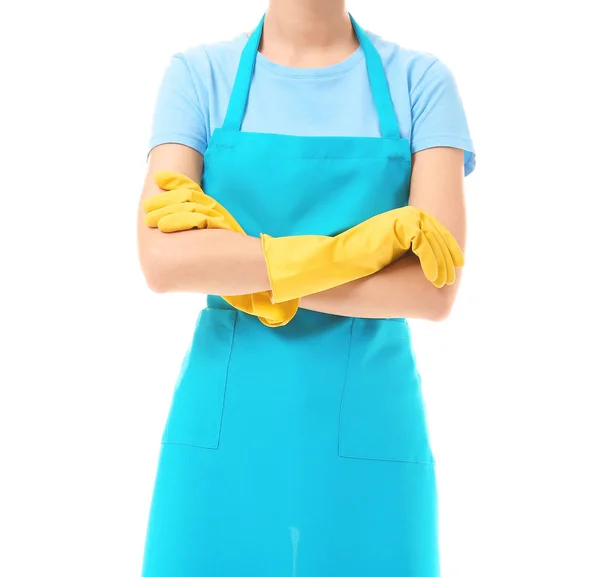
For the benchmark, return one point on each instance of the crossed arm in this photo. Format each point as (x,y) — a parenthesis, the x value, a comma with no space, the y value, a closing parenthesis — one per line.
(227,263)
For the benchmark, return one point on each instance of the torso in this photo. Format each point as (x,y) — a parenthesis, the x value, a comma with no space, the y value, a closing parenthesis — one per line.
(303,448)
(328,101)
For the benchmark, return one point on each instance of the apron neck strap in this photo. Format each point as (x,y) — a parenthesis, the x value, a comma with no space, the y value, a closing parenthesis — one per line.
(388,122)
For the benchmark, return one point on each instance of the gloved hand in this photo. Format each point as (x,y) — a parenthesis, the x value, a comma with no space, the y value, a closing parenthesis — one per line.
(303,265)
(184,206)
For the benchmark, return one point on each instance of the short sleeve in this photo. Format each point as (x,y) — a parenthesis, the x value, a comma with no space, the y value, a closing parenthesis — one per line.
(438,116)
(178,114)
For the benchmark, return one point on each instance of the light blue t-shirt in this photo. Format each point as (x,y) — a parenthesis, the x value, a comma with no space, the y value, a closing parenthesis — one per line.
(329,101)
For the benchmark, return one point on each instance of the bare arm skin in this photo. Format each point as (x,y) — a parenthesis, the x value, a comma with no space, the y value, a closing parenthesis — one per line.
(206,261)
(227,263)
(401,290)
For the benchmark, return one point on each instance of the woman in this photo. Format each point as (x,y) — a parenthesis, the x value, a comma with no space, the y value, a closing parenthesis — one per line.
(301,448)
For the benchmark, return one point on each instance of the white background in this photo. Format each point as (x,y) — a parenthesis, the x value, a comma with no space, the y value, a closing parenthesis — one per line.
(89,355)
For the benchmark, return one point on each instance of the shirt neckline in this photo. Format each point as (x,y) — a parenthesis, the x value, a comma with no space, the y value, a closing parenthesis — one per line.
(337,69)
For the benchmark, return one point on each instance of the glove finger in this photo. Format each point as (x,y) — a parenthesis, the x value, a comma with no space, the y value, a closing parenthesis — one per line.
(288,310)
(288,314)
(405,231)
(259,304)
(163,199)
(180,221)
(447,264)
(453,246)
(152,218)
(450,266)
(273,315)
(424,251)
(440,280)
(169,180)
(178,193)
(241,303)
(177,196)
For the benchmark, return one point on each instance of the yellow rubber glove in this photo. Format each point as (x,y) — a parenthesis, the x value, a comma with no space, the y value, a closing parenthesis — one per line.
(303,265)
(184,206)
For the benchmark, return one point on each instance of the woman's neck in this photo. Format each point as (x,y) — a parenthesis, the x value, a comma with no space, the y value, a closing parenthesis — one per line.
(307,33)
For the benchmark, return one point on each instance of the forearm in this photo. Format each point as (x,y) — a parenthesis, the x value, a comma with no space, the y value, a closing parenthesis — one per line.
(204,261)
(228,263)
(398,291)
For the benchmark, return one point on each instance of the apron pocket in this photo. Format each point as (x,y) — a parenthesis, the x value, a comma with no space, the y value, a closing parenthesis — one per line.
(382,414)
(197,405)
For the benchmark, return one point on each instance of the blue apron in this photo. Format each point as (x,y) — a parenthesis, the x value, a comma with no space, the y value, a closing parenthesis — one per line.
(299,451)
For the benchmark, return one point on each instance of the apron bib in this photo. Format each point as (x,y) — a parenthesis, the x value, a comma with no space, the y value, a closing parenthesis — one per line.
(301,450)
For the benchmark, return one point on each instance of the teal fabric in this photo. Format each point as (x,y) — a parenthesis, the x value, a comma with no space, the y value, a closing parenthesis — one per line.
(334,100)
(299,451)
